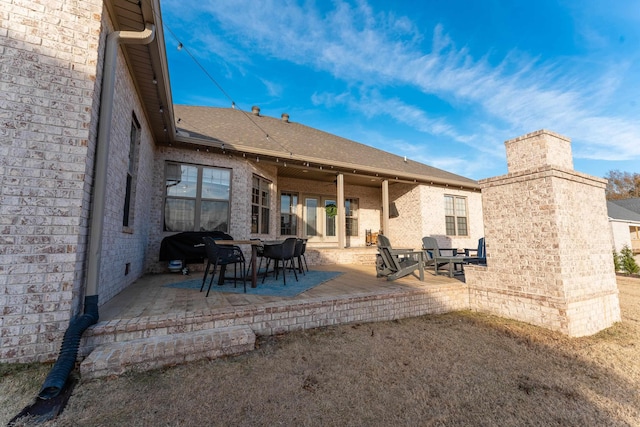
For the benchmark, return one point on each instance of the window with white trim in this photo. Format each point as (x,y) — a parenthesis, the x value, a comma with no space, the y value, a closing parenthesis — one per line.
(351,216)
(197,198)
(288,216)
(634,234)
(260,205)
(456,219)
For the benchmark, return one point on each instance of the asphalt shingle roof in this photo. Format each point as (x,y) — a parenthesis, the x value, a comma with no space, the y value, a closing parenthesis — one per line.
(615,211)
(242,130)
(632,204)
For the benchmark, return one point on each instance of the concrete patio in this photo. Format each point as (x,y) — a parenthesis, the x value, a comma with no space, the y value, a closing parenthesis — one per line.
(149,326)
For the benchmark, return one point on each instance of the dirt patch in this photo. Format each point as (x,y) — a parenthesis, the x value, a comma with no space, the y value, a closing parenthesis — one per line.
(455,369)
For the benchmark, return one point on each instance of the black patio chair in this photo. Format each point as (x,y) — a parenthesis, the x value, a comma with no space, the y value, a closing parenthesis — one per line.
(297,255)
(281,252)
(216,235)
(223,255)
(302,257)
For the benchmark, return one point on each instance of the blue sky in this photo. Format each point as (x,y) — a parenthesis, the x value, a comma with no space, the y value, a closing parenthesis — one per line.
(441,82)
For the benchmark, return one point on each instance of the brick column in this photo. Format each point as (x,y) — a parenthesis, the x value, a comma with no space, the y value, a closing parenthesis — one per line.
(548,242)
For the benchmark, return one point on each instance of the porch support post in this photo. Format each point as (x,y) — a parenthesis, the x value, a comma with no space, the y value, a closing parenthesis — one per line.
(342,218)
(385,207)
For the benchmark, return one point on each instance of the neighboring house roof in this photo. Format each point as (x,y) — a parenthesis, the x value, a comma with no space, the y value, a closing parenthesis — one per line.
(617,212)
(282,139)
(632,204)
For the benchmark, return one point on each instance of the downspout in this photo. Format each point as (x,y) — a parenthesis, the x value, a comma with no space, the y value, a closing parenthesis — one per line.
(58,375)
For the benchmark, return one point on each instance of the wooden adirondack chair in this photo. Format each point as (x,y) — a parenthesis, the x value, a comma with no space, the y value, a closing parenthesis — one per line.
(396,263)
(434,256)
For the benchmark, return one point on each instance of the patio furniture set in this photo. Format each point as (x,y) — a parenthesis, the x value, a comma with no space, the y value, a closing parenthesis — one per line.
(395,263)
(221,250)
(224,251)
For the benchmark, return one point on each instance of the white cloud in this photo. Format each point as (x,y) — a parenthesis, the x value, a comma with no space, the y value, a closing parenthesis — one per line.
(361,47)
(273,89)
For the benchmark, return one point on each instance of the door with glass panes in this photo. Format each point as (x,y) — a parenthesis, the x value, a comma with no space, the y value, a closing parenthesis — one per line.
(319,223)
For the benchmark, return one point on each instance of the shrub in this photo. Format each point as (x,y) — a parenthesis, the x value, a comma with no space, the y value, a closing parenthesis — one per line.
(616,261)
(628,263)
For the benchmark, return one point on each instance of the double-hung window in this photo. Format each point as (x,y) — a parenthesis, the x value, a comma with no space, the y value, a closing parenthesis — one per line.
(197,198)
(456,221)
(260,205)
(351,214)
(288,217)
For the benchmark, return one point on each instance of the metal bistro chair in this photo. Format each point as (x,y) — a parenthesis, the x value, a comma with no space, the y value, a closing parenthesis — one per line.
(281,252)
(219,255)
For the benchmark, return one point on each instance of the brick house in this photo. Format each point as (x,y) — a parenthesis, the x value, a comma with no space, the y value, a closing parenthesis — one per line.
(281,175)
(98,166)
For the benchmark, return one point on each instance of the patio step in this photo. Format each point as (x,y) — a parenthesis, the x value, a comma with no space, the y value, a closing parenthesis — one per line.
(155,352)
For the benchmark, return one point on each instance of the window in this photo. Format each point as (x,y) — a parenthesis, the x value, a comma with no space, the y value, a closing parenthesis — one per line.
(260,202)
(134,136)
(351,213)
(197,198)
(455,211)
(634,233)
(288,217)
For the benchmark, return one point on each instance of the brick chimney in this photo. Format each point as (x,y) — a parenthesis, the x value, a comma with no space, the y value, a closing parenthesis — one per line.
(548,242)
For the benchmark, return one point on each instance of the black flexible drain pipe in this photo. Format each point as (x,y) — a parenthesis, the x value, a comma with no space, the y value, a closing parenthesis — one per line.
(58,375)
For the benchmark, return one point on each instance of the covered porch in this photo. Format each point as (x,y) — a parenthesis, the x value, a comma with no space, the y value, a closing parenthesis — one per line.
(149,326)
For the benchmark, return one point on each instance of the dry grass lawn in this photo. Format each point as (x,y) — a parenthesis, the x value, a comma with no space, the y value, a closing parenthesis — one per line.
(461,369)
